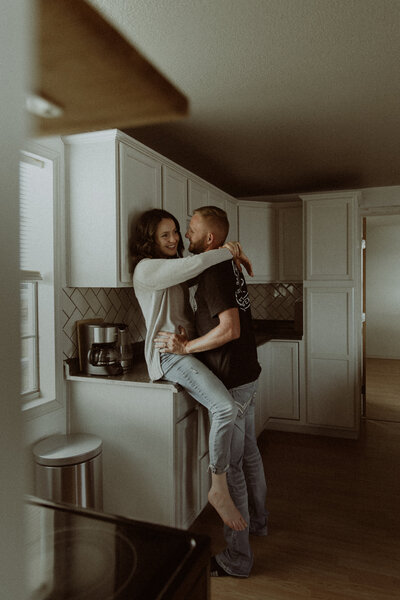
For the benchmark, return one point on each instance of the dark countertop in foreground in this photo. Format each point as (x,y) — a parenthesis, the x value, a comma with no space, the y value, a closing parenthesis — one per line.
(144,560)
(266,330)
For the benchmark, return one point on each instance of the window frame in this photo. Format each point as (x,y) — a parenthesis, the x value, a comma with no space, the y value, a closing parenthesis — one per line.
(52,149)
(33,393)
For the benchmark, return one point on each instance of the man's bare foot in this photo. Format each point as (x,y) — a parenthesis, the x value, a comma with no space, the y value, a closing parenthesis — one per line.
(223,504)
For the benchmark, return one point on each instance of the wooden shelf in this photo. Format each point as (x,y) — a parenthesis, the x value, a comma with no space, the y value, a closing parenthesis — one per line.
(95,75)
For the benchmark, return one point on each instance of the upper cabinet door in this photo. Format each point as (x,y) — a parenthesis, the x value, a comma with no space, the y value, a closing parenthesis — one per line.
(330,223)
(231,212)
(197,195)
(257,236)
(216,198)
(111,179)
(91,209)
(290,242)
(140,190)
(174,196)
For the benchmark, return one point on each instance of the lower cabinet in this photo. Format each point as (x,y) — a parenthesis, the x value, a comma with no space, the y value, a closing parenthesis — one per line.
(187,469)
(302,393)
(203,428)
(155,448)
(261,415)
(279,383)
(283,399)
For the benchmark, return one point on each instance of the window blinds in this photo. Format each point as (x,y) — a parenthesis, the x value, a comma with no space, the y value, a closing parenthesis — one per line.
(31,183)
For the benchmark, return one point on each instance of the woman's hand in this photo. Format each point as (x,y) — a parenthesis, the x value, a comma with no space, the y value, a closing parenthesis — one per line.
(172,343)
(239,257)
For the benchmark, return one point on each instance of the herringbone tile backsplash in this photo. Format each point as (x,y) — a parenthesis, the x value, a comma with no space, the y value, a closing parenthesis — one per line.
(114,305)
(274,301)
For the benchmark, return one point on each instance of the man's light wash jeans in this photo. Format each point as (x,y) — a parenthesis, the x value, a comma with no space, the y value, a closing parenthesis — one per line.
(209,391)
(247,485)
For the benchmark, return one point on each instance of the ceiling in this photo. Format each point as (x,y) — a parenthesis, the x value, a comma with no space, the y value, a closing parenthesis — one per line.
(286,96)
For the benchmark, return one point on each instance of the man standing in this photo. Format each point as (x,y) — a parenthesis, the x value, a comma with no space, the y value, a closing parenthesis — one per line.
(227,346)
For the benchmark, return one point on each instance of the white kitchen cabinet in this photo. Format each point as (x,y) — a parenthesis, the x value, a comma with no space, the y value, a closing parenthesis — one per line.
(203,455)
(257,235)
(182,195)
(331,365)
(155,453)
(217,198)
(290,241)
(313,385)
(202,194)
(175,195)
(197,195)
(231,213)
(139,190)
(187,465)
(272,236)
(229,205)
(109,179)
(261,415)
(330,236)
(332,312)
(283,401)
(278,397)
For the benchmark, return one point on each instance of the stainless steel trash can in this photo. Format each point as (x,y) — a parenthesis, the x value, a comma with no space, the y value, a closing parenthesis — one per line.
(69,469)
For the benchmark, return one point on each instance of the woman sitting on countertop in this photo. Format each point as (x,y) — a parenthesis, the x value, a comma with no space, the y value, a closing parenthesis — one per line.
(159,285)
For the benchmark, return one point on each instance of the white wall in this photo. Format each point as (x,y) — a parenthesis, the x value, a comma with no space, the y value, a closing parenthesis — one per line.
(383,287)
(13,70)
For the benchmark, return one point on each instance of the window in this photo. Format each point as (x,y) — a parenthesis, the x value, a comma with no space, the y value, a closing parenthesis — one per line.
(37,279)
(29,340)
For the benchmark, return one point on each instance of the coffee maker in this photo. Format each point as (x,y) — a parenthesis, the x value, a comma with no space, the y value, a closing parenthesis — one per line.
(101,355)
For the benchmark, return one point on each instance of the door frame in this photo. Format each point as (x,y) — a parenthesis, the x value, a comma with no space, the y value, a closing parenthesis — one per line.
(364,212)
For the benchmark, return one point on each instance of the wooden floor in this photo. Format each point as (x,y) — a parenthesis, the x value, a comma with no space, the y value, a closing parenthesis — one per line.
(334,520)
(383,389)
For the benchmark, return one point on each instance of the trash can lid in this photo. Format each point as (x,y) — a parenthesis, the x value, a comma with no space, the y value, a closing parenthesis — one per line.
(71,449)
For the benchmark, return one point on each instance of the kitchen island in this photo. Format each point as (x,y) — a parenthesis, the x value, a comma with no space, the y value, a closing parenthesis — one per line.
(155,444)
(155,435)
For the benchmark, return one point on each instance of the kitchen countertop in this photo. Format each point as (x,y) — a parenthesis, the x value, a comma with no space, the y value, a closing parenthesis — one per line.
(138,376)
(265,331)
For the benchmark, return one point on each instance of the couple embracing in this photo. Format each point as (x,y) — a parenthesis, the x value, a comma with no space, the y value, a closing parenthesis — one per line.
(210,351)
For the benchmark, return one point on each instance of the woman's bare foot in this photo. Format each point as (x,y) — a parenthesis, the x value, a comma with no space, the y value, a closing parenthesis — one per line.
(220,499)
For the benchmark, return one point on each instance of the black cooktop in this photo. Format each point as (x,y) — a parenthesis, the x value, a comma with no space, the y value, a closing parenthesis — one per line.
(79,554)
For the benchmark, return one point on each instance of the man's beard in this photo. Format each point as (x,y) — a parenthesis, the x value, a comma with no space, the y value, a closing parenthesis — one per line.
(198,247)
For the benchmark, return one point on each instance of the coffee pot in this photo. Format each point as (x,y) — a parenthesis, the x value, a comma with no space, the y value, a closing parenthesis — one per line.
(103,356)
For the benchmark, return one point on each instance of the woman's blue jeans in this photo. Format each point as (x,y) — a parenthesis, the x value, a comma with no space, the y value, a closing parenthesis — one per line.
(247,485)
(209,391)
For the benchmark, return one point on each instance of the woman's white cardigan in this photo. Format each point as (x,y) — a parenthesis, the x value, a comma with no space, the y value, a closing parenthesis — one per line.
(164,301)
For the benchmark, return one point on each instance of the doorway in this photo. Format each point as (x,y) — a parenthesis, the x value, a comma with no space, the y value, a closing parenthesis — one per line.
(381,305)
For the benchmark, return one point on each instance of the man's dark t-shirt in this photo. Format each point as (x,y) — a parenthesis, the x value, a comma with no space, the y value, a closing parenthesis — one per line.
(220,288)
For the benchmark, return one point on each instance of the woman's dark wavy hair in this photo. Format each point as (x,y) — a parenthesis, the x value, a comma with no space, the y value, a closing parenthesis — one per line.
(143,242)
